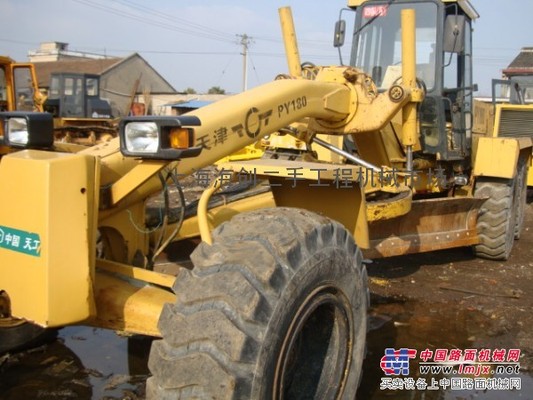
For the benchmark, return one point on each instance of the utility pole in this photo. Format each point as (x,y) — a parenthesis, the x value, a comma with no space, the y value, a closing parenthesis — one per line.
(245,42)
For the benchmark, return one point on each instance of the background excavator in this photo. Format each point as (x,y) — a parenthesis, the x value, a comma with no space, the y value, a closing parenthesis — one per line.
(81,116)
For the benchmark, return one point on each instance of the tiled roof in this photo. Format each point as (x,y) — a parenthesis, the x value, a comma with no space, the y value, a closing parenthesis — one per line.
(45,69)
(522,64)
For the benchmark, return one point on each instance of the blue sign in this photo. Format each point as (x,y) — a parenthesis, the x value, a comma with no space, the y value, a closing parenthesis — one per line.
(20,241)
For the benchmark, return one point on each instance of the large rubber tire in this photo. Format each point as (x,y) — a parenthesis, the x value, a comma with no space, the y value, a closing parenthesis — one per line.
(19,335)
(275,308)
(521,195)
(497,218)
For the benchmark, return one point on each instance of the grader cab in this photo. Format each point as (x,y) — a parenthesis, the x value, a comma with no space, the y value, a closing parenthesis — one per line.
(273,302)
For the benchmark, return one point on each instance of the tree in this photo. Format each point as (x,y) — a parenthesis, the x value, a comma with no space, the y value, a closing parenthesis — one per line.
(190,91)
(216,90)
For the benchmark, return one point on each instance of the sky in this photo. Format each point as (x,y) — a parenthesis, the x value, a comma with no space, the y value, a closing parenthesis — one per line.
(197,43)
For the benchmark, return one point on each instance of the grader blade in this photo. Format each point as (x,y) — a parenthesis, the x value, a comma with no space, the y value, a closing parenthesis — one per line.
(433,224)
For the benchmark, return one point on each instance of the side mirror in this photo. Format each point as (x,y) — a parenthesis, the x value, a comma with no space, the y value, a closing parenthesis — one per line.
(454,34)
(340,33)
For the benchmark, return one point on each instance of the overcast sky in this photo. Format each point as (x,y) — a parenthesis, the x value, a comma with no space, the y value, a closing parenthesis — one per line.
(195,43)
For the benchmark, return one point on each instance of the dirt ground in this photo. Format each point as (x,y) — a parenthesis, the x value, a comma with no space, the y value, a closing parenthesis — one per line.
(452,300)
(492,299)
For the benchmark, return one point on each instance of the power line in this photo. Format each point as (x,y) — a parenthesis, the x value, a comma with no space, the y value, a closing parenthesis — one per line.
(148,21)
(307,43)
(162,20)
(253,68)
(173,19)
(18,42)
(225,68)
(169,52)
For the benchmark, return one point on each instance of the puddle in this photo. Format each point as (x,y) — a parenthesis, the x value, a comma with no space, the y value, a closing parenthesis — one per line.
(84,363)
(87,363)
(419,326)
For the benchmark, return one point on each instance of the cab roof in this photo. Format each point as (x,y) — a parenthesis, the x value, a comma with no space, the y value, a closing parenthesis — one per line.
(465,5)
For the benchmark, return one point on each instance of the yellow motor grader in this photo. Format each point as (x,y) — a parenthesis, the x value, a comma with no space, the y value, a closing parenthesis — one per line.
(374,158)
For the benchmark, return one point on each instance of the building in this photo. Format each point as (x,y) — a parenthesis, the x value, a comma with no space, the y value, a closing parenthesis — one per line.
(522,65)
(56,51)
(520,70)
(122,80)
(183,104)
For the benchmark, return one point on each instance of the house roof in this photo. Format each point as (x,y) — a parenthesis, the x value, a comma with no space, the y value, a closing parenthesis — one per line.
(522,64)
(103,66)
(45,69)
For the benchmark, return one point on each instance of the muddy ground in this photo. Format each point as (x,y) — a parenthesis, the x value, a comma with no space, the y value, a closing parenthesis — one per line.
(439,300)
(453,300)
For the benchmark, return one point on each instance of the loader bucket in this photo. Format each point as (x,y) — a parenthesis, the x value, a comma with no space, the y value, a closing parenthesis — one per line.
(432,224)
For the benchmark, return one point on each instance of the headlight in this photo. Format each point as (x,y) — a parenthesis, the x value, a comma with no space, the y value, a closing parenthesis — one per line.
(28,129)
(162,138)
(141,137)
(17,131)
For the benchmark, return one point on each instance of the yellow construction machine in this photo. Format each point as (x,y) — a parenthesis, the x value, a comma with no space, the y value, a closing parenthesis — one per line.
(374,158)
(19,90)
(510,110)
(18,87)
(80,115)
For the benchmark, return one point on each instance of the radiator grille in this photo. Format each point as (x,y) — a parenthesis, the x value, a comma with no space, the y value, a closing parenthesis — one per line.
(516,123)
